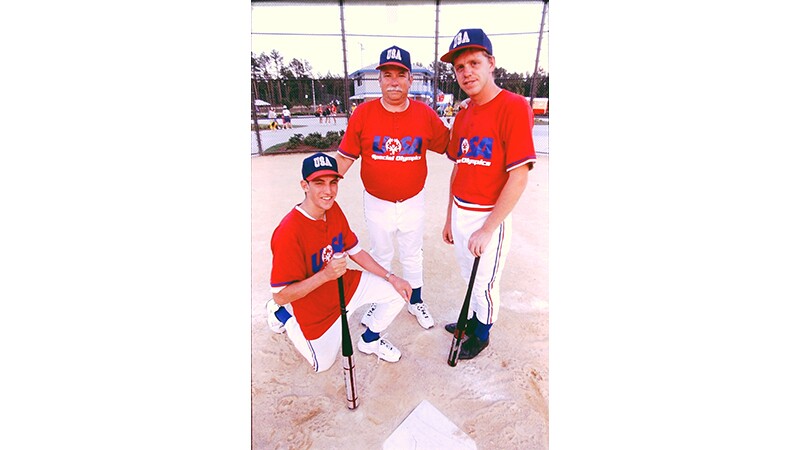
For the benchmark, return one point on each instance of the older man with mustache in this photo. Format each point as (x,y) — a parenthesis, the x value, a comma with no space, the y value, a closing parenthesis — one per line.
(392,135)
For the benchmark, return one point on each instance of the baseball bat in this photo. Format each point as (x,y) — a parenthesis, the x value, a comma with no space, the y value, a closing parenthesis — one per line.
(461,325)
(347,349)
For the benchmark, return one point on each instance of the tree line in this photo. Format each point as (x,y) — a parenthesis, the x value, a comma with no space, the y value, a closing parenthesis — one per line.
(293,83)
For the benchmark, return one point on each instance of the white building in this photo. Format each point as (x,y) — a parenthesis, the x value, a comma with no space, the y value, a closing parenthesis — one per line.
(367,87)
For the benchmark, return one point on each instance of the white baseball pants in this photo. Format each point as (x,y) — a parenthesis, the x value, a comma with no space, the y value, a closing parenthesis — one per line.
(485,300)
(322,352)
(404,220)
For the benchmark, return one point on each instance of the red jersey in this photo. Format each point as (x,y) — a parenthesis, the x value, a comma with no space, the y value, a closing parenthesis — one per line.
(488,141)
(301,246)
(393,146)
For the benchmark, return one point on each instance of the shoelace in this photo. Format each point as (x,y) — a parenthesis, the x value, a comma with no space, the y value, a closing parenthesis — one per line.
(383,342)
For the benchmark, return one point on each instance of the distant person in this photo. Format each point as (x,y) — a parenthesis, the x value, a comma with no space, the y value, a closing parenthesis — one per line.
(304,275)
(287,117)
(318,113)
(333,113)
(448,115)
(327,113)
(274,118)
(491,146)
(392,135)
(448,110)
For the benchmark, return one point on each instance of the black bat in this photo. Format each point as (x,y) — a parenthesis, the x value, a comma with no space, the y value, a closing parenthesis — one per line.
(347,350)
(461,325)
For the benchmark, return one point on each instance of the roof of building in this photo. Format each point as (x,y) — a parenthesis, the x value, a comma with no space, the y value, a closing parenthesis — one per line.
(371,68)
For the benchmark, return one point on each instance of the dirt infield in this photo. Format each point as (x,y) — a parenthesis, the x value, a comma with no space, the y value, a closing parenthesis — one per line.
(500,399)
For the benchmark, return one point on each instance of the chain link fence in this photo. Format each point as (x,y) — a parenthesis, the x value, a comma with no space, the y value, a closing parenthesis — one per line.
(294,42)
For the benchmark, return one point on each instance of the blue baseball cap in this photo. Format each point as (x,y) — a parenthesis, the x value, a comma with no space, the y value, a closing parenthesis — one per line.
(467,38)
(395,56)
(318,165)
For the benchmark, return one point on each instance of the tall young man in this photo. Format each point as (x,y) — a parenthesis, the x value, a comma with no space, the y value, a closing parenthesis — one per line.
(492,148)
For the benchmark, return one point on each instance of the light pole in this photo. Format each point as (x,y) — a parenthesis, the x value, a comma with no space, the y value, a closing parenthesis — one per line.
(538,49)
(313,94)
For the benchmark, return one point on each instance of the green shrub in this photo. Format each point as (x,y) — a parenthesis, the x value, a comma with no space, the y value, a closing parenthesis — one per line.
(316,140)
(295,141)
(334,138)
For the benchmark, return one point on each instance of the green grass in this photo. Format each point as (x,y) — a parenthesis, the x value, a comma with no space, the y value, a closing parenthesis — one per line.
(275,148)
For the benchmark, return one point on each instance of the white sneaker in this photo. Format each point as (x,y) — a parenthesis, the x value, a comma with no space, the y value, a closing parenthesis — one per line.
(274,324)
(366,320)
(381,347)
(420,311)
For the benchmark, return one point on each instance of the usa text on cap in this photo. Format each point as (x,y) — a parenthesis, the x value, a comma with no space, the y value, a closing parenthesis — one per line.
(467,38)
(319,164)
(395,56)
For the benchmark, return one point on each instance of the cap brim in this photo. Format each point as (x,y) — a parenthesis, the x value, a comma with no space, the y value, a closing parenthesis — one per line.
(448,57)
(393,64)
(322,173)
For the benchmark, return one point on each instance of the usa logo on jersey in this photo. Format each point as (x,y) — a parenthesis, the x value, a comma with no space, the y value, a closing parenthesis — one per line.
(475,151)
(325,254)
(393,146)
(388,148)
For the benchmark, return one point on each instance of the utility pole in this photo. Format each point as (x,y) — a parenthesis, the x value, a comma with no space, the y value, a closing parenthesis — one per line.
(255,115)
(534,84)
(346,105)
(436,57)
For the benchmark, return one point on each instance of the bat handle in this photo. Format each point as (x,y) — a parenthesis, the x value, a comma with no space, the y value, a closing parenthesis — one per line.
(340,283)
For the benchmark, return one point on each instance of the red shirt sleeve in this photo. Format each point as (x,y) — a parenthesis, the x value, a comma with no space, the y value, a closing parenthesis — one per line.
(350,146)
(518,134)
(288,261)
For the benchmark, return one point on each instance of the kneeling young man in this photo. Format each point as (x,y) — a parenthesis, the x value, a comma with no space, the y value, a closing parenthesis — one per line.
(304,274)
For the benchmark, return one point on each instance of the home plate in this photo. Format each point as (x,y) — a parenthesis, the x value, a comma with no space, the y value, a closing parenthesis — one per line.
(427,428)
